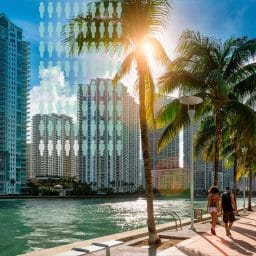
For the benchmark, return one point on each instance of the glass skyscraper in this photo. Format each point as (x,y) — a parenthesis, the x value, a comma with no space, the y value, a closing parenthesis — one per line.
(14,85)
(109,140)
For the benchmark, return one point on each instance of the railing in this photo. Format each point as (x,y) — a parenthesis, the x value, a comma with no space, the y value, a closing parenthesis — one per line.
(174,216)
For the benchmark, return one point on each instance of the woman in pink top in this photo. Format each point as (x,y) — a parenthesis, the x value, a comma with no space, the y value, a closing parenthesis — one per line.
(213,206)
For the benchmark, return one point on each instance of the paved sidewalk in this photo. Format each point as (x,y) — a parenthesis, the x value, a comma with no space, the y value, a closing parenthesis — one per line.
(201,242)
(242,242)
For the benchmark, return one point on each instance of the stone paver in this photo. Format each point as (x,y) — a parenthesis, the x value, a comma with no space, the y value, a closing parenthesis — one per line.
(242,242)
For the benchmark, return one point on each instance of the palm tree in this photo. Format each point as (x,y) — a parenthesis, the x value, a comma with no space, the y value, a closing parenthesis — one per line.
(210,69)
(140,22)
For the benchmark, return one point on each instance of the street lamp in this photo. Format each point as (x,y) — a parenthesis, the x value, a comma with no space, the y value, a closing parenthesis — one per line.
(190,102)
(244,150)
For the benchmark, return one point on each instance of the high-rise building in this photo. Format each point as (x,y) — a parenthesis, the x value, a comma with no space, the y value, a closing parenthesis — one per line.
(168,158)
(170,181)
(204,171)
(108,136)
(14,85)
(54,150)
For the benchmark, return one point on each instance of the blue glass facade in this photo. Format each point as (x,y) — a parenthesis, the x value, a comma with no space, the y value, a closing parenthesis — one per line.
(14,85)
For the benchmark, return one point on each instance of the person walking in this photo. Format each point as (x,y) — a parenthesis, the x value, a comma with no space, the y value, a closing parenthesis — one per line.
(213,206)
(228,206)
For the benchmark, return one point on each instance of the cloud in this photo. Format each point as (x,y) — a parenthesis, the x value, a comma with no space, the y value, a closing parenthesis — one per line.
(53,95)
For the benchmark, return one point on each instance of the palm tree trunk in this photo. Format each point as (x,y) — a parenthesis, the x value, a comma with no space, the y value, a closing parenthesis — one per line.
(153,237)
(217,143)
(250,191)
(234,173)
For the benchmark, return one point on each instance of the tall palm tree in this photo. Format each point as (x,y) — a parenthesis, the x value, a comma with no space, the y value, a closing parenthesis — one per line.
(140,22)
(210,69)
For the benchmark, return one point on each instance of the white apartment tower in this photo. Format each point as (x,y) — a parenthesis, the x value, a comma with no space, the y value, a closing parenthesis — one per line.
(108,136)
(54,150)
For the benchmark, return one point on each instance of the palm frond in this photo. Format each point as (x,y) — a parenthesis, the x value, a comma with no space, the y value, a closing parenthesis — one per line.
(125,67)
(167,113)
(158,51)
(172,80)
(243,51)
(180,120)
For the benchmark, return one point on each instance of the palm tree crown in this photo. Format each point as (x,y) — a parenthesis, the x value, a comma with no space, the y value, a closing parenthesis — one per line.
(216,72)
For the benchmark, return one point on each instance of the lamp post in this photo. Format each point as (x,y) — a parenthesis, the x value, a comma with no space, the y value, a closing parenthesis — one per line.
(244,150)
(190,102)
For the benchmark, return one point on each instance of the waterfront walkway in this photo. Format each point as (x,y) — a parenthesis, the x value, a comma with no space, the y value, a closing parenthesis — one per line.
(190,243)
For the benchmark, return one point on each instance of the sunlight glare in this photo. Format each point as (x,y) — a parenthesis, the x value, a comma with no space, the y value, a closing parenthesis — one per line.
(148,50)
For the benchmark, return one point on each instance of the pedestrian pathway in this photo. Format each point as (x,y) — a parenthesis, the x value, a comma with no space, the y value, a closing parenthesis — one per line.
(201,242)
(242,242)
(198,242)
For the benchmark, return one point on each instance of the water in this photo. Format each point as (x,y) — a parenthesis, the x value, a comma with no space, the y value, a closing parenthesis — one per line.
(33,224)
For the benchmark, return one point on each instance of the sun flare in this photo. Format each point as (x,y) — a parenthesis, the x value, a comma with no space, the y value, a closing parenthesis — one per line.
(148,50)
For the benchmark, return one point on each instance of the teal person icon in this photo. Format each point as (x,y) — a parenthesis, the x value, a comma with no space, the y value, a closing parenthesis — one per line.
(50,64)
(76,9)
(50,9)
(41,106)
(59,49)
(50,128)
(41,9)
(76,68)
(50,49)
(102,10)
(76,29)
(93,9)
(119,30)
(67,128)
(50,29)
(58,9)
(84,28)
(58,128)
(93,29)
(119,10)
(41,49)
(102,29)
(58,29)
(110,9)
(67,10)
(110,29)
(41,66)
(41,29)
(41,128)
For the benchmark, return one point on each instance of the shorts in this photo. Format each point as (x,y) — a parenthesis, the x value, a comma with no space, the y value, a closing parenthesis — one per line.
(228,216)
(213,209)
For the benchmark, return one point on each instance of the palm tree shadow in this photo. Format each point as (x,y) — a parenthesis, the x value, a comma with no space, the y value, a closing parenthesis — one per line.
(236,247)
(251,225)
(245,232)
(244,244)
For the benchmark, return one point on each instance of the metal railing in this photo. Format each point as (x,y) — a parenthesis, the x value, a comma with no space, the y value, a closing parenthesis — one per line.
(174,215)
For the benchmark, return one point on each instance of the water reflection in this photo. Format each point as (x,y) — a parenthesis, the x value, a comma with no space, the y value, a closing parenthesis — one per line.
(31,225)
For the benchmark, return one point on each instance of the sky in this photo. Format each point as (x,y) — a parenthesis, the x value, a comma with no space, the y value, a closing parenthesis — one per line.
(219,19)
